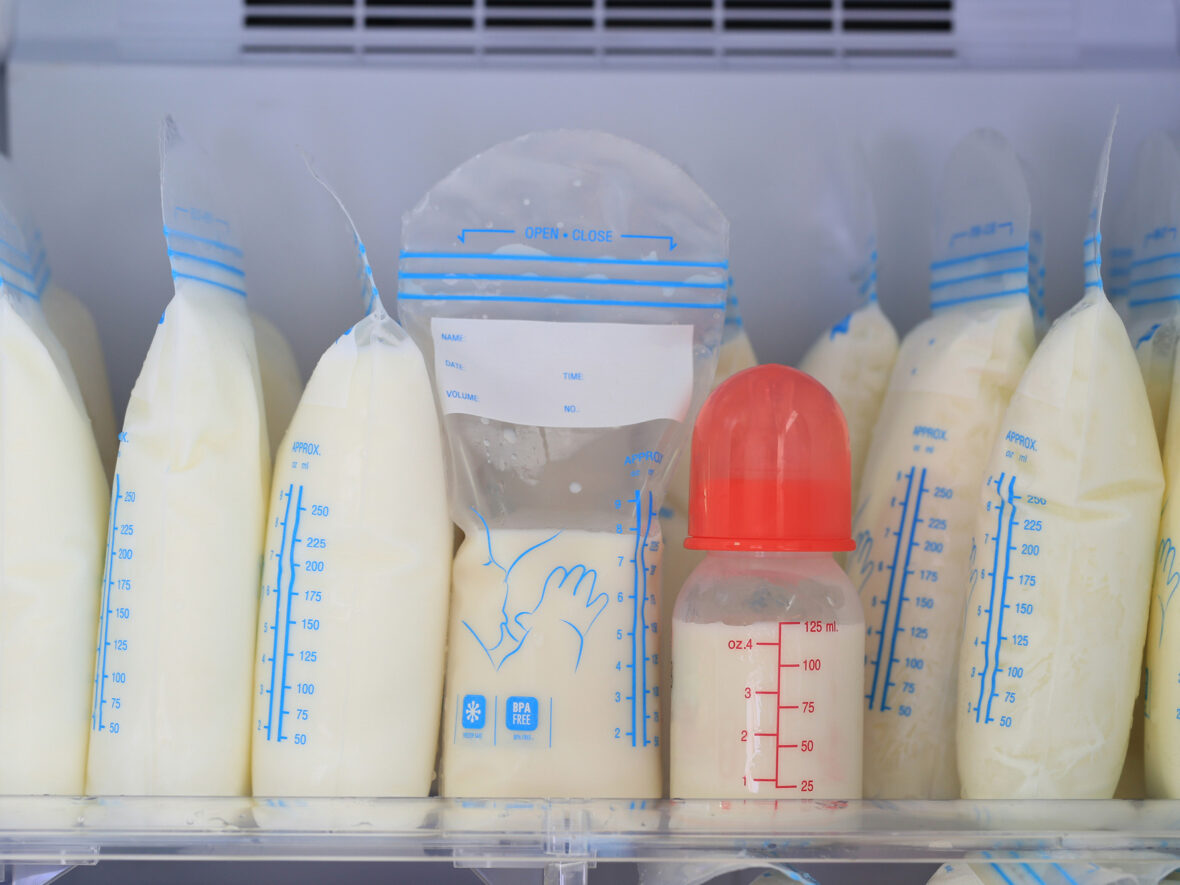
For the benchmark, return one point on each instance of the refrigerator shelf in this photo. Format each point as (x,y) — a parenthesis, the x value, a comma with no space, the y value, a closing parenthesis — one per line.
(542,833)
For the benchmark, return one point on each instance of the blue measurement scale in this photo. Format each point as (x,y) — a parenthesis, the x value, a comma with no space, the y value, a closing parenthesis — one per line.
(639,645)
(114,620)
(1003,603)
(900,575)
(292,601)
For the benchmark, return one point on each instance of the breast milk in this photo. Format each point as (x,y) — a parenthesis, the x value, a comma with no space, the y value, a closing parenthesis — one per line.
(853,360)
(921,484)
(553,678)
(1162,650)
(826,762)
(722,748)
(172,698)
(1060,585)
(73,325)
(351,646)
(281,381)
(53,509)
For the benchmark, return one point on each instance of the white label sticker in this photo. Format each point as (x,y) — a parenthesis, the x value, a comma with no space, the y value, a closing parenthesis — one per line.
(563,374)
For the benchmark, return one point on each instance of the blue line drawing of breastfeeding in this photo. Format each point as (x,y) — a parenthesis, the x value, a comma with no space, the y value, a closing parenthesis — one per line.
(578,608)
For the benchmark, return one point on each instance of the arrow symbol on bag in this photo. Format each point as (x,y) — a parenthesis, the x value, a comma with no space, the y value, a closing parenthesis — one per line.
(671,241)
(481,230)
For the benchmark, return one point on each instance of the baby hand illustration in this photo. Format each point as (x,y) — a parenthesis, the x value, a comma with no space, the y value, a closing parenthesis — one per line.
(569,598)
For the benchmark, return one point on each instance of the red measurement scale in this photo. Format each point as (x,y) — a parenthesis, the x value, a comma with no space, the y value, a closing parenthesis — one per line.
(798,699)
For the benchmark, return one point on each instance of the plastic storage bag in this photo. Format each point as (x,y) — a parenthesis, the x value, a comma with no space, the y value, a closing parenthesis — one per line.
(1116,252)
(1150,302)
(1161,725)
(282,384)
(1162,650)
(180,596)
(53,495)
(69,319)
(854,358)
(1150,216)
(568,290)
(1061,563)
(1036,249)
(356,576)
(920,488)
(73,325)
(1017,872)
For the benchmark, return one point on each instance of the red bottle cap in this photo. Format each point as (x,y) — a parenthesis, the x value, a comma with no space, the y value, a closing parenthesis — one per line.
(771,468)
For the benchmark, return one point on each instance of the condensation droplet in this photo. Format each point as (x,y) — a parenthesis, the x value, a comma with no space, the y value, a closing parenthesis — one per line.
(575,487)
(509,435)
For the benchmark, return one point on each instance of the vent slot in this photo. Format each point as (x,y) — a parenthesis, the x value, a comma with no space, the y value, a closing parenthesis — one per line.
(790,31)
(789,15)
(348,4)
(300,21)
(653,15)
(778,24)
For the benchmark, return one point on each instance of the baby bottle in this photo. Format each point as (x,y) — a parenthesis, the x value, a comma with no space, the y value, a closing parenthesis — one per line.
(768,632)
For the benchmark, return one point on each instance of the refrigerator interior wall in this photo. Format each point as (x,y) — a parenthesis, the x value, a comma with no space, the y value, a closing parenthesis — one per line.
(87,92)
(88,83)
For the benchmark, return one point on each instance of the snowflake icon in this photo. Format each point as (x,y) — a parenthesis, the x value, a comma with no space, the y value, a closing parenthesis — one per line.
(475,709)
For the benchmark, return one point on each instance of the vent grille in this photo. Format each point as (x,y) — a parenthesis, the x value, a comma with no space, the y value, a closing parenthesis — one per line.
(738,30)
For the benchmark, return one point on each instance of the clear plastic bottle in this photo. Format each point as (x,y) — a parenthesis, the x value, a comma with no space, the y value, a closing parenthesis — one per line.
(768,650)
(768,632)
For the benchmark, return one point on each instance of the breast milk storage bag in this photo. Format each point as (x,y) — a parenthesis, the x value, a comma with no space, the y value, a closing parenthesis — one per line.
(921,482)
(73,325)
(1061,571)
(1162,651)
(281,382)
(568,290)
(1145,256)
(69,319)
(172,691)
(1154,279)
(356,576)
(1149,218)
(71,322)
(53,511)
(854,358)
